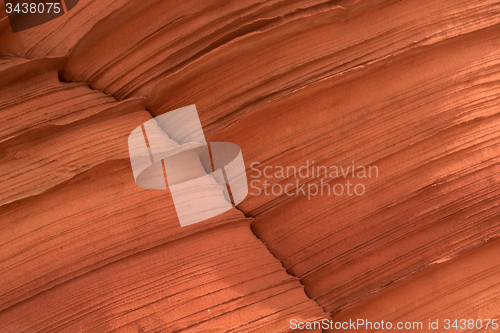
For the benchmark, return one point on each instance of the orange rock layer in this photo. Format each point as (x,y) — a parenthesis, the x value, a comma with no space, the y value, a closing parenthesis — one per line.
(408,87)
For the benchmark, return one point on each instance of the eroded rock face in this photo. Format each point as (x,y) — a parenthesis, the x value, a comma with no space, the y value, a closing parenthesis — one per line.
(407,88)
(463,288)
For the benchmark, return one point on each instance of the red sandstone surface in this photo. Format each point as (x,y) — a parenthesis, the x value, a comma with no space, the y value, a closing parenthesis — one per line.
(411,87)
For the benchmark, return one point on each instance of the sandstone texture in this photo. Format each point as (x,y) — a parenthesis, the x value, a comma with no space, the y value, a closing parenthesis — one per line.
(408,88)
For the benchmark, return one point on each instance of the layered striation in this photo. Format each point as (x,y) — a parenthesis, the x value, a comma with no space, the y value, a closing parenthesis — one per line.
(465,288)
(434,191)
(74,222)
(407,88)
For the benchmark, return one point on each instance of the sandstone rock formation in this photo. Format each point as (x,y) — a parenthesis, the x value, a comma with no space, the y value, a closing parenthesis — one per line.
(407,87)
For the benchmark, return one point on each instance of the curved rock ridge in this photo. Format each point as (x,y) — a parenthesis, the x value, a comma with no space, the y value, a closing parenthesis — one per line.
(187,69)
(465,288)
(70,209)
(407,90)
(436,152)
(185,32)
(37,143)
(53,224)
(235,284)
